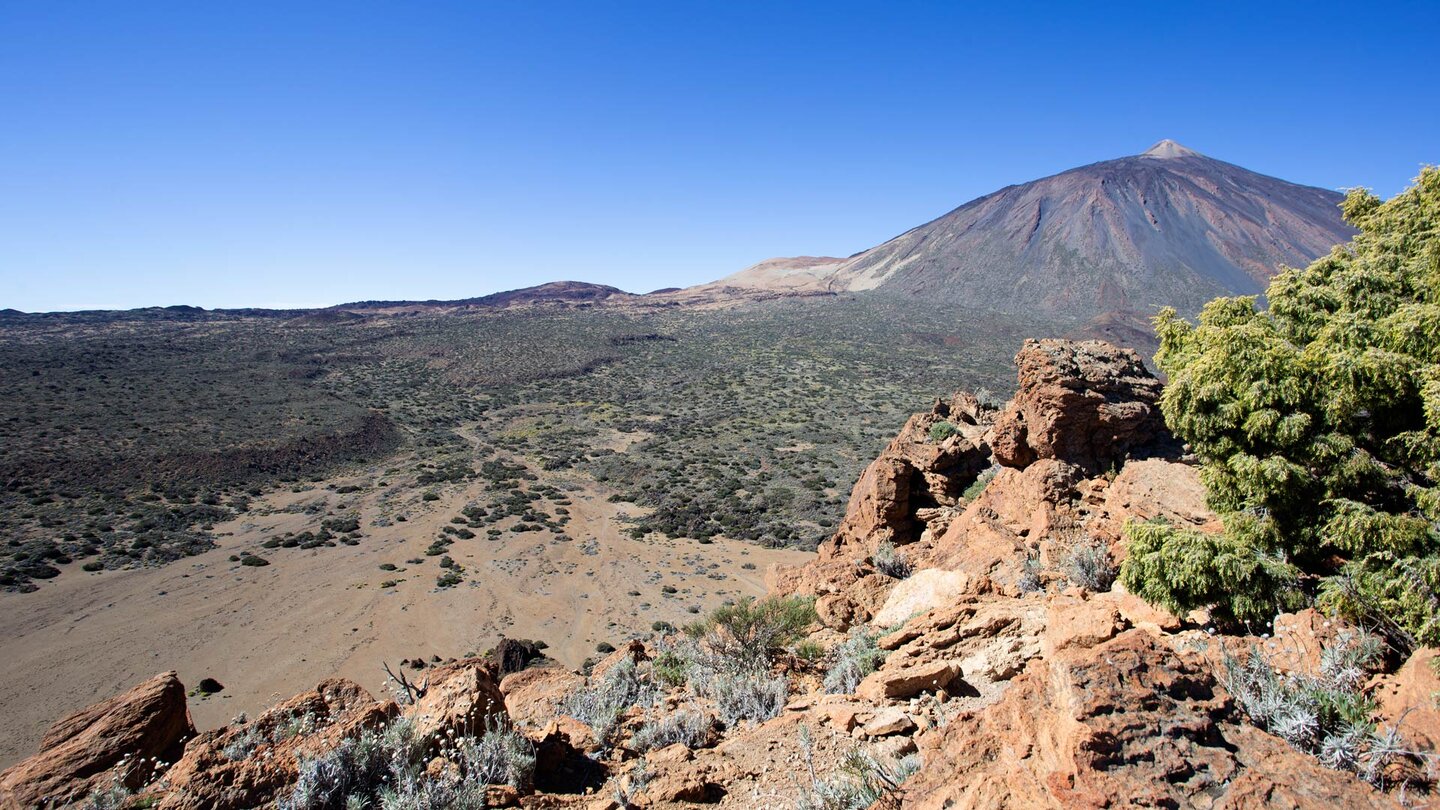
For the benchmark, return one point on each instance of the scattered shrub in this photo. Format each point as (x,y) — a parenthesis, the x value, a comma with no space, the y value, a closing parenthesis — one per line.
(808,651)
(890,562)
(857,657)
(747,696)
(864,781)
(940,431)
(751,632)
(598,704)
(1088,564)
(686,726)
(1325,714)
(979,484)
(501,756)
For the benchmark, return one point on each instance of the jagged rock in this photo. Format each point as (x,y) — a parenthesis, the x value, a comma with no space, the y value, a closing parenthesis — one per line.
(1410,700)
(251,764)
(1075,622)
(1087,403)
(985,640)
(1019,513)
(1127,722)
(512,655)
(632,650)
(913,473)
(533,695)
(461,697)
(841,611)
(82,751)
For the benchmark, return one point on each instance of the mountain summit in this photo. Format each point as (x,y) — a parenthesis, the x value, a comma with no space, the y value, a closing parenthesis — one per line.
(1169,226)
(1170,149)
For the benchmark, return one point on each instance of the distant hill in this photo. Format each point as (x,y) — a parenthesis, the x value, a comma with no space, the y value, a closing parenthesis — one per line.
(569,292)
(1166,227)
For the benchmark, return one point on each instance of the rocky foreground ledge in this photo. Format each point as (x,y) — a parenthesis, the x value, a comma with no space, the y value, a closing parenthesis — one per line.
(967,633)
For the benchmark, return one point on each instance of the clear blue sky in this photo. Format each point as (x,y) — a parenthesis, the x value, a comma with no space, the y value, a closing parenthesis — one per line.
(308,153)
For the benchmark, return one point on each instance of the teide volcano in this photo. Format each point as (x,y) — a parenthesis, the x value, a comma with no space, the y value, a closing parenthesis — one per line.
(1167,227)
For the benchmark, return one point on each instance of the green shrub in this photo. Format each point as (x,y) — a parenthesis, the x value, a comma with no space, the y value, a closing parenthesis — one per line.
(940,431)
(751,632)
(979,484)
(1318,426)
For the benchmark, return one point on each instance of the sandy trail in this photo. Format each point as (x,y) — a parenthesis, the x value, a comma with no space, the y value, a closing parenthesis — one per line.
(269,632)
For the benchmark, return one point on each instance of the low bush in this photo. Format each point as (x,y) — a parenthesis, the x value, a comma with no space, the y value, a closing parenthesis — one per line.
(857,657)
(940,431)
(864,781)
(599,703)
(1088,564)
(979,484)
(1326,713)
(686,726)
(747,696)
(890,562)
(385,768)
(751,632)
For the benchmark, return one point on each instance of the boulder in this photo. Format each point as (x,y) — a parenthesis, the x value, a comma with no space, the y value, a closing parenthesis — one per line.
(922,592)
(122,737)
(512,655)
(533,696)
(1010,524)
(1410,700)
(1087,403)
(898,683)
(887,721)
(1153,488)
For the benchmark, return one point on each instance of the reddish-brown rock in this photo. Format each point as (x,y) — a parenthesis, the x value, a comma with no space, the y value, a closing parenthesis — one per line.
(1007,526)
(1410,700)
(913,473)
(1154,488)
(250,764)
(533,696)
(1125,723)
(462,698)
(1087,403)
(82,751)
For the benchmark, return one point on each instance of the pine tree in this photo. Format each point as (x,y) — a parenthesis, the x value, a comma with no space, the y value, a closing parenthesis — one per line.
(1317,423)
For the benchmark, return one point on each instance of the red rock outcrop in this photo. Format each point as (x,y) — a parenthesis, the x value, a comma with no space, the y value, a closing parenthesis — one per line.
(249,764)
(1086,403)
(1129,723)
(463,698)
(915,472)
(82,751)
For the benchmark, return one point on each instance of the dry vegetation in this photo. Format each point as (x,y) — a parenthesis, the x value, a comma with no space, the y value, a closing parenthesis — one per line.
(127,435)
